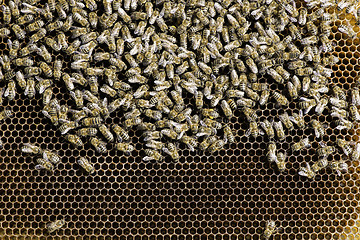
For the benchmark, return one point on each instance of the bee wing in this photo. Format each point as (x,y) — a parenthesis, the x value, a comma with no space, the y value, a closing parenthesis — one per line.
(303,173)
(39,167)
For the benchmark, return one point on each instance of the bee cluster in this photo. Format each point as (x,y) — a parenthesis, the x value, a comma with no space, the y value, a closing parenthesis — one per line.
(142,57)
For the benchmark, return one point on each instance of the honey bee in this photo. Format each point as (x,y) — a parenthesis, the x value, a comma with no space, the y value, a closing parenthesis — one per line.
(355,96)
(86,165)
(56,225)
(275,75)
(10,91)
(67,126)
(280,99)
(271,154)
(338,102)
(320,107)
(152,155)
(108,90)
(348,30)
(339,113)
(217,146)
(5,62)
(14,47)
(77,115)
(245,102)
(269,130)
(6,14)
(25,62)
(44,164)
(270,229)
(307,104)
(252,94)
(99,145)
(172,151)
(306,171)
(279,130)
(319,165)
(132,122)
(41,51)
(226,109)
(298,119)
(105,131)
(92,121)
(302,144)
(31,149)
(30,88)
(355,155)
(42,84)
(20,79)
(354,113)
(87,132)
(344,145)
(281,161)
(325,151)
(339,167)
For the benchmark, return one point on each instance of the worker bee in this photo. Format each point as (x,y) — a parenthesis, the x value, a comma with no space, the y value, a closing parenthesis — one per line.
(280,133)
(348,30)
(319,165)
(344,145)
(99,145)
(226,109)
(41,51)
(92,121)
(298,119)
(338,102)
(20,79)
(275,75)
(40,34)
(56,225)
(271,154)
(53,157)
(194,123)
(338,113)
(253,130)
(270,229)
(302,16)
(292,90)
(6,63)
(307,104)
(30,88)
(355,96)
(318,128)
(354,113)
(44,164)
(31,149)
(302,144)
(320,107)
(306,171)
(105,131)
(25,62)
(6,14)
(280,99)
(14,47)
(325,151)
(217,146)
(268,129)
(250,114)
(152,155)
(127,148)
(281,161)
(86,165)
(355,155)
(87,132)
(10,91)
(264,97)
(132,122)
(108,90)
(306,84)
(67,126)
(339,167)
(172,151)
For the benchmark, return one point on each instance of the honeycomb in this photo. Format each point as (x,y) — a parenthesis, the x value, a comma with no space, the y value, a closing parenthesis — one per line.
(226,195)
